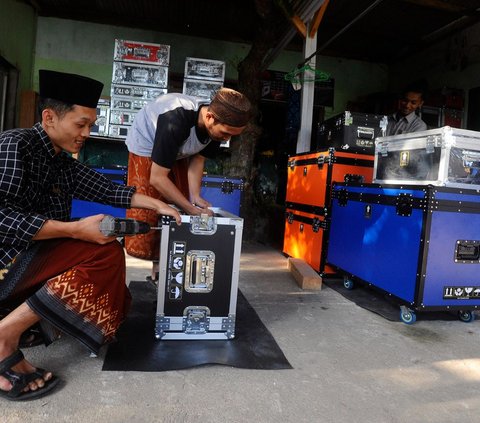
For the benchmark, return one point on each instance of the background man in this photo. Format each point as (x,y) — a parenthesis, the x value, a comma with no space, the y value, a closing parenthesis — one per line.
(406,119)
(168,143)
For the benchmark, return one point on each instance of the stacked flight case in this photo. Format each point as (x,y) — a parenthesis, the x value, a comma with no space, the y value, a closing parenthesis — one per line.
(223,192)
(444,156)
(354,132)
(198,279)
(309,181)
(83,208)
(419,243)
(414,233)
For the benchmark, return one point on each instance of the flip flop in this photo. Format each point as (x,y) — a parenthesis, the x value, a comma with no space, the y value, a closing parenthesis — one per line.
(20,380)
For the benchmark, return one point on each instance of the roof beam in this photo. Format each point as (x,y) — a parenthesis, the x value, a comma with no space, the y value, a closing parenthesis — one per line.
(446,6)
(305,11)
(317,19)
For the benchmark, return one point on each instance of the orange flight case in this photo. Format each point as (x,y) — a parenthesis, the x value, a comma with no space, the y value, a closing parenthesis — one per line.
(309,185)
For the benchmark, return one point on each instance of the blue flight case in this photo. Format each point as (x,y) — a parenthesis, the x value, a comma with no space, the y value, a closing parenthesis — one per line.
(418,243)
(81,208)
(223,192)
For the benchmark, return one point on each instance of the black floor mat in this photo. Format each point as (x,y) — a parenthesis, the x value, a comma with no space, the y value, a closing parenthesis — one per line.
(381,303)
(138,350)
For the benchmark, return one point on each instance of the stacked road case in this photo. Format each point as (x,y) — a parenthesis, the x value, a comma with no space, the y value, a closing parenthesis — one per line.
(140,74)
(445,156)
(419,243)
(309,181)
(351,131)
(203,77)
(198,280)
(82,208)
(223,192)
(414,233)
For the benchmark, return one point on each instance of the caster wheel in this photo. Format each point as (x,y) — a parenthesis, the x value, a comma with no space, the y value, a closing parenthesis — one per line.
(348,283)
(466,316)
(408,317)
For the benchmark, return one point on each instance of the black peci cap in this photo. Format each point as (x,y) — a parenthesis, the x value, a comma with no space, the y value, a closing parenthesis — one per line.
(70,88)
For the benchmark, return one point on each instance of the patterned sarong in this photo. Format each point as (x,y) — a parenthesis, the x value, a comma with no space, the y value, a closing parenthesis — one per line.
(76,286)
(147,246)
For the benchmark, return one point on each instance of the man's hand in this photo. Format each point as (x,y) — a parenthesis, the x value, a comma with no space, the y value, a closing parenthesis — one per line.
(201,202)
(142,201)
(165,209)
(88,229)
(197,211)
(202,206)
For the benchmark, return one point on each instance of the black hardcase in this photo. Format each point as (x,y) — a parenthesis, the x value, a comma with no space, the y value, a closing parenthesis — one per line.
(351,131)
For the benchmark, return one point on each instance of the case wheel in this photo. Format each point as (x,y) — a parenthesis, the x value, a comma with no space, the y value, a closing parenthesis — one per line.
(407,316)
(348,283)
(466,316)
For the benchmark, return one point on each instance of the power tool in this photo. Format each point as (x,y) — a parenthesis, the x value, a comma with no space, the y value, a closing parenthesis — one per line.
(119,227)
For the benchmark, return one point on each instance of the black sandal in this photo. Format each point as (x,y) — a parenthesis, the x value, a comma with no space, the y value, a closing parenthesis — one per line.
(20,381)
(32,337)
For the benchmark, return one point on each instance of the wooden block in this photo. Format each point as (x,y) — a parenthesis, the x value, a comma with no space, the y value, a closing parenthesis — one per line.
(305,276)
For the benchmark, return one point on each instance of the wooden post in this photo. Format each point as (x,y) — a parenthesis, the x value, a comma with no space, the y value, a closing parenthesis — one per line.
(28,109)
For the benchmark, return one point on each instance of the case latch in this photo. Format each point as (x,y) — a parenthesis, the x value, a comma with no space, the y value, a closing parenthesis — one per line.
(348,118)
(404,204)
(352,178)
(383,125)
(203,225)
(318,224)
(430,144)
(227,187)
(289,216)
(196,320)
(320,161)
(342,195)
(384,149)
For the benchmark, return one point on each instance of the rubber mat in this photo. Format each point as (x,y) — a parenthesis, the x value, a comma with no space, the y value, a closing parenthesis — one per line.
(137,349)
(381,303)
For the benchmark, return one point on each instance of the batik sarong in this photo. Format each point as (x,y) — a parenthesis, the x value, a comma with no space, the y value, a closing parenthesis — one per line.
(147,246)
(76,286)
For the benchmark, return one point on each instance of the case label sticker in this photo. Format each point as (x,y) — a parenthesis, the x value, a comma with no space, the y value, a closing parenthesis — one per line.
(359,142)
(176,266)
(404,158)
(461,292)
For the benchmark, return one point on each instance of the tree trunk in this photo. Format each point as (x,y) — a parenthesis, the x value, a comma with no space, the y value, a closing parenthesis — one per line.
(270,24)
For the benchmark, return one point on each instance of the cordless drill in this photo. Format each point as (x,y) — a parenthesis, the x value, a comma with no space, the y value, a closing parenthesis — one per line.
(116,226)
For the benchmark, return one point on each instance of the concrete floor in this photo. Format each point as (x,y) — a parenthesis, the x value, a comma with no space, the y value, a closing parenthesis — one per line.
(349,365)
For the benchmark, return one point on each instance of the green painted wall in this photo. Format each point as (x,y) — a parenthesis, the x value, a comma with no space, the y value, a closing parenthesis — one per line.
(17,39)
(30,44)
(88,49)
